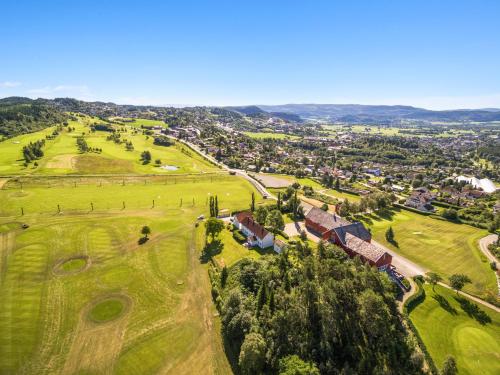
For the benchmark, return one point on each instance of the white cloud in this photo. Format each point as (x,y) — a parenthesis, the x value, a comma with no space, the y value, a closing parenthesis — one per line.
(72,91)
(60,89)
(9,84)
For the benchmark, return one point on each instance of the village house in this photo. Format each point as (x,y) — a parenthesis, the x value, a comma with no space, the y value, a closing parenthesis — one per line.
(354,238)
(421,199)
(256,234)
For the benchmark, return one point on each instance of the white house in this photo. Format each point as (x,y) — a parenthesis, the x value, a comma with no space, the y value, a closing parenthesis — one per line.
(256,234)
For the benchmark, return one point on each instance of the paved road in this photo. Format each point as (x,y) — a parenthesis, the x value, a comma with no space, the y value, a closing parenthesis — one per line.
(403,265)
(483,245)
(260,188)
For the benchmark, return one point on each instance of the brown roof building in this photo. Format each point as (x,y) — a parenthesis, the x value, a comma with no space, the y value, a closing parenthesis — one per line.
(354,238)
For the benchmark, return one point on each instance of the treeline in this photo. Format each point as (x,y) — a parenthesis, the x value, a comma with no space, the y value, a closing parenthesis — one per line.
(307,312)
(23,115)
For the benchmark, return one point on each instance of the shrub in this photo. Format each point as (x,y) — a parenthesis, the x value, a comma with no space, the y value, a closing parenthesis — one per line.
(238,236)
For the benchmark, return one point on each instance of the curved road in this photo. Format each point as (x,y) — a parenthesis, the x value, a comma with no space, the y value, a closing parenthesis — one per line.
(260,188)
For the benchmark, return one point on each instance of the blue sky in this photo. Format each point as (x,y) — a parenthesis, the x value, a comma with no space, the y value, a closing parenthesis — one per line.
(434,54)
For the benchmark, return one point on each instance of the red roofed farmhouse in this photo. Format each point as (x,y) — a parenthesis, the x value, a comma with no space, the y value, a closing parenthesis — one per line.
(354,238)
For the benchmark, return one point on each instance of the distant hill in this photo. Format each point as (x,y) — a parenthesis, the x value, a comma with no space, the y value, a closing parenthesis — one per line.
(256,112)
(357,113)
(23,115)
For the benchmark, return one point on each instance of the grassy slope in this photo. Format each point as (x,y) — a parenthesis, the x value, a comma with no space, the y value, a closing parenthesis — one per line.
(169,324)
(62,156)
(438,245)
(452,331)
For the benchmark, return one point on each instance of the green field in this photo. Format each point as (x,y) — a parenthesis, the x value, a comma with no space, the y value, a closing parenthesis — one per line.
(451,325)
(343,195)
(263,135)
(61,155)
(390,131)
(438,245)
(79,295)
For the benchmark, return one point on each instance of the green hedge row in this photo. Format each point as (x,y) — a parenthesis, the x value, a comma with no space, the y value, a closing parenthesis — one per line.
(446,205)
(409,305)
(402,206)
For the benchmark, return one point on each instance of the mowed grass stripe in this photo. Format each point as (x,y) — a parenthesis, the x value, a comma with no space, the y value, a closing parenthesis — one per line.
(21,295)
(438,245)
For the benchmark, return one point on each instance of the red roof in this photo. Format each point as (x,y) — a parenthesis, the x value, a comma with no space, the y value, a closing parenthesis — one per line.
(240,216)
(254,227)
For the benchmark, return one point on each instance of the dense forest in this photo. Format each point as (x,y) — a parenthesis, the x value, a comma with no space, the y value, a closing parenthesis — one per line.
(308,312)
(22,115)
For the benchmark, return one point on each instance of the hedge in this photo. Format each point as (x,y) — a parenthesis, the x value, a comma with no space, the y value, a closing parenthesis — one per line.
(409,305)
(238,236)
(446,205)
(415,299)
(412,209)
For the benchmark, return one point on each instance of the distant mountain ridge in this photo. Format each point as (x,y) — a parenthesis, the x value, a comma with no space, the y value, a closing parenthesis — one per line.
(359,113)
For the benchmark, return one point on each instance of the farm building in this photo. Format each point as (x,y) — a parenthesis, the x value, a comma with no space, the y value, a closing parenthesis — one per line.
(256,234)
(354,238)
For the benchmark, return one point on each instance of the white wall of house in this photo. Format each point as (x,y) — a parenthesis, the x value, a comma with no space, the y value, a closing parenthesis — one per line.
(267,241)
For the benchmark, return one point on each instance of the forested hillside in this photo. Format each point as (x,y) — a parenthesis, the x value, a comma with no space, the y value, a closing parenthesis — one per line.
(316,311)
(23,115)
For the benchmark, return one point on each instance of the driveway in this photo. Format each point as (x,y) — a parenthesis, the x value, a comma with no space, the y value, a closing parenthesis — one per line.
(292,229)
(403,265)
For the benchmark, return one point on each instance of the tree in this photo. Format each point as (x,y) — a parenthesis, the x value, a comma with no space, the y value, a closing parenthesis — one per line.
(146,157)
(261,297)
(293,365)
(275,221)
(261,215)
(278,204)
(145,231)
(337,184)
(252,203)
(449,366)
(433,278)
(253,354)
(223,276)
(450,214)
(324,207)
(389,235)
(213,227)
(458,281)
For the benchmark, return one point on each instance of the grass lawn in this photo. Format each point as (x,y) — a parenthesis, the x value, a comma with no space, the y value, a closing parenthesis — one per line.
(437,245)
(61,155)
(450,325)
(66,322)
(232,251)
(343,195)
(264,135)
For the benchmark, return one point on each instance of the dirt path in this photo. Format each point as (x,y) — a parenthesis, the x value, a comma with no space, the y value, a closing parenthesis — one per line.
(475,299)
(3,181)
(207,356)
